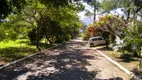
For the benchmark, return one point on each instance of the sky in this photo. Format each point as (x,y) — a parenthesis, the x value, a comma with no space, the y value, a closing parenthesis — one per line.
(89,19)
(86,19)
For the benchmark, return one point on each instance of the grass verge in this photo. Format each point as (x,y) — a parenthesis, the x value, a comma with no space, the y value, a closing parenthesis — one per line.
(126,60)
(13,50)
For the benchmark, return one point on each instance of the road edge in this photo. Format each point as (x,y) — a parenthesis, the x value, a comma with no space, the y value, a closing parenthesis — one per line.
(118,65)
(14,62)
(2,67)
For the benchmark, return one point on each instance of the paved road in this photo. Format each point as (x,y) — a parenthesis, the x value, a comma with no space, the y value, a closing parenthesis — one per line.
(70,61)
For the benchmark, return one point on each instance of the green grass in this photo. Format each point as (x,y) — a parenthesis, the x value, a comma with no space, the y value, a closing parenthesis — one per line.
(17,43)
(13,50)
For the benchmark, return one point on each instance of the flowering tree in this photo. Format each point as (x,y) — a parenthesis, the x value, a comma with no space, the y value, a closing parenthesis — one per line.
(112,24)
(91,31)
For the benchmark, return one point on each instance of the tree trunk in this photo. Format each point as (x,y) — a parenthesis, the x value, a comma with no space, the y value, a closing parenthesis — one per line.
(95,11)
(48,39)
(129,10)
(128,15)
(37,38)
(107,43)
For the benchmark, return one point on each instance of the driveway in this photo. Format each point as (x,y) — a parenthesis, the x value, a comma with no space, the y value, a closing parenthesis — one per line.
(69,61)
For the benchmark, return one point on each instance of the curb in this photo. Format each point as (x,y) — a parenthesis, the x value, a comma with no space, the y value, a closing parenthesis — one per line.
(18,61)
(14,62)
(119,66)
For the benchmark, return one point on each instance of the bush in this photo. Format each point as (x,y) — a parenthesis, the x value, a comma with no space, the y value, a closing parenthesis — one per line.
(85,36)
(132,39)
(62,38)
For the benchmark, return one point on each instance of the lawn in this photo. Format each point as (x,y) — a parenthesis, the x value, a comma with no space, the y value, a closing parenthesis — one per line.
(13,50)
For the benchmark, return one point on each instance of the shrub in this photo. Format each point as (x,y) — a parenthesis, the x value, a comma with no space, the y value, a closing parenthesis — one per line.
(133,38)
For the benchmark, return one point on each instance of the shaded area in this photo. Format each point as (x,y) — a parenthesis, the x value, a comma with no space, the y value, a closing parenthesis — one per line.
(116,78)
(120,57)
(11,73)
(43,45)
(9,54)
(127,58)
(13,53)
(60,63)
(137,72)
(68,65)
(70,45)
(66,74)
(23,41)
(104,48)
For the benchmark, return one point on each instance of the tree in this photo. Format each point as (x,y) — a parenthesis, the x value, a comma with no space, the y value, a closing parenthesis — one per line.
(10,6)
(15,6)
(42,22)
(112,24)
(130,7)
(38,17)
(95,4)
(132,39)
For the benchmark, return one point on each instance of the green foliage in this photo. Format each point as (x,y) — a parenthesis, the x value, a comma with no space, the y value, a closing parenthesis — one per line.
(109,5)
(89,32)
(4,9)
(17,43)
(130,7)
(11,6)
(132,40)
(13,50)
(38,20)
(85,36)
(32,35)
(111,24)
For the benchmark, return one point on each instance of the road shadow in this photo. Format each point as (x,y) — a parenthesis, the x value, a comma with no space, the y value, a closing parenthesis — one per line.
(70,45)
(137,72)
(68,65)
(10,74)
(115,78)
(104,48)
(61,63)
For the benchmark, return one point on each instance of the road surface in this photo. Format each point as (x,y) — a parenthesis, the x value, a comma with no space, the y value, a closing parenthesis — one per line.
(69,61)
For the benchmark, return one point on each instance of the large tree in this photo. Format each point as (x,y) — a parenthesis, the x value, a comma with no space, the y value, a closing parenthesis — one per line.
(130,7)
(95,4)
(11,6)
(112,24)
(47,20)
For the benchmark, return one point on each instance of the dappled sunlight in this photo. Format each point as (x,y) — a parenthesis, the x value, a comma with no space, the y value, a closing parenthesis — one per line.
(68,65)
(64,62)
(14,53)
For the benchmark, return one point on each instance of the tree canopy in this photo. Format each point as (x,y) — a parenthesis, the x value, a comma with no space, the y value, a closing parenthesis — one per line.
(39,19)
